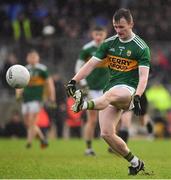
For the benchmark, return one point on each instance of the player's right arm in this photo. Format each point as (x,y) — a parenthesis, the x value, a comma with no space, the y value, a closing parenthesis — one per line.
(87,68)
(18,94)
(84,55)
(92,63)
(82,74)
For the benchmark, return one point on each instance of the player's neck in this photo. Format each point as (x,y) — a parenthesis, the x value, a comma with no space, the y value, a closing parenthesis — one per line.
(129,38)
(97,43)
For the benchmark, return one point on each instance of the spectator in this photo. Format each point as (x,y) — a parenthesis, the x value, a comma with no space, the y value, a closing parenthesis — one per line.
(1,131)
(96,11)
(22,28)
(11,60)
(160,125)
(60,112)
(168,117)
(74,120)
(159,98)
(15,127)
(43,122)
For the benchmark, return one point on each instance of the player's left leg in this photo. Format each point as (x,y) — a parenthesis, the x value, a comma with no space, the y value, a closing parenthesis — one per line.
(108,119)
(146,121)
(119,97)
(123,131)
(123,127)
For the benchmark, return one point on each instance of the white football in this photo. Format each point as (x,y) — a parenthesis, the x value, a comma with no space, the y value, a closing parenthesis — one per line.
(18,76)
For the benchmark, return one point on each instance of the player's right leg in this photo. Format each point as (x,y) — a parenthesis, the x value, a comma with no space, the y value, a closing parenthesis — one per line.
(29,130)
(92,117)
(89,131)
(113,96)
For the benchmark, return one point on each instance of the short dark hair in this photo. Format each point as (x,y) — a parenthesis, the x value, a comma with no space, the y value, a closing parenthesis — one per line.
(32,51)
(98,28)
(123,13)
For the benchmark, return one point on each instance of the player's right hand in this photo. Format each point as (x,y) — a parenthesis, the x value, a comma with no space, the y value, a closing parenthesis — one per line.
(71,88)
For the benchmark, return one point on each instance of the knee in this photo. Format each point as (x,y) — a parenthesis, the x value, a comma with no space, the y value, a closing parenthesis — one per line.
(106,135)
(29,124)
(111,97)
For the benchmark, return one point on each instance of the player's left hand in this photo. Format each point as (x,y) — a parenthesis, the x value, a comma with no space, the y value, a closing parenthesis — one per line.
(18,98)
(137,105)
(52,105)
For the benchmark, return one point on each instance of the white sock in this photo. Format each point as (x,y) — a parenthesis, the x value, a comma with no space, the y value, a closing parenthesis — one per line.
(85,105)
(134,161)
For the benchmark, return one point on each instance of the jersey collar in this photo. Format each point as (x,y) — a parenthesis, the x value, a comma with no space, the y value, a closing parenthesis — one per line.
(133,35)
(95,44)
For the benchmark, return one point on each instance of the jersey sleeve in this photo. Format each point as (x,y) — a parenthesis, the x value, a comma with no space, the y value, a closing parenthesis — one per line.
(101,52)
(83,56)
(144,59)
(45,73)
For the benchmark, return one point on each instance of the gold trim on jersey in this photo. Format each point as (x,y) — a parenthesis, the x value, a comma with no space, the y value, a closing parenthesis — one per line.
(36,81)
(121,64)
(103,64)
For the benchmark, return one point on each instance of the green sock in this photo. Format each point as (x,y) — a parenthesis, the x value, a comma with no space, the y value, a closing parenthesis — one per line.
(129,156)
(88,105)
(88,144)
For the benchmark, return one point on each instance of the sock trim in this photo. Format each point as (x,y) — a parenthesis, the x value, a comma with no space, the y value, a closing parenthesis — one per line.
(129,156)
(90,105)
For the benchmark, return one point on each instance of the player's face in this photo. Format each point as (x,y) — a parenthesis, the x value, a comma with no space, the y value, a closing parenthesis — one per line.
(32,58)
(99,36)
(123,28)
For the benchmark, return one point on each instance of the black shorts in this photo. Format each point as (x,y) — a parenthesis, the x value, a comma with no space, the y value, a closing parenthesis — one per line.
(144,104)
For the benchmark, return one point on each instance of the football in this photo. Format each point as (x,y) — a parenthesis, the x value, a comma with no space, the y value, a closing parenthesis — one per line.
(18,76)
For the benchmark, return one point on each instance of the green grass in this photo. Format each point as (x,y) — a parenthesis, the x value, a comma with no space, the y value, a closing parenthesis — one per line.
(65,159)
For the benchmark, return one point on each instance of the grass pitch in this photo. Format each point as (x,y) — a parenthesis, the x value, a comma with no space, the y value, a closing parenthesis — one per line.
(64,159)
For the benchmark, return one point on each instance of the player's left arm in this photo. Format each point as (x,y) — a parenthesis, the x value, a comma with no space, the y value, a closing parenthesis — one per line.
(143,68)
(51,89)
(143,79)
(50,85)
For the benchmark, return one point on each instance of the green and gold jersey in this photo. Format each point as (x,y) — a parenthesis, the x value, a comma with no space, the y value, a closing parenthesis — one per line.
(123,58)
(100,75)
(35,88)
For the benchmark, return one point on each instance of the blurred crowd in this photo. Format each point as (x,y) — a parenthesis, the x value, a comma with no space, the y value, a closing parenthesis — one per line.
(74,18)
